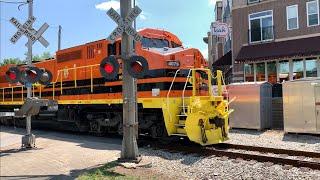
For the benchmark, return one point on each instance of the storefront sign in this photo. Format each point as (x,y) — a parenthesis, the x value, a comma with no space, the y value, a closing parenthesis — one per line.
(219,29)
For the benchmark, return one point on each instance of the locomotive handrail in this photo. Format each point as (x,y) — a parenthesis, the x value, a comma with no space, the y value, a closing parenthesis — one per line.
(58,78)
(183,92)
(12,88)
(60,75)
(174,78)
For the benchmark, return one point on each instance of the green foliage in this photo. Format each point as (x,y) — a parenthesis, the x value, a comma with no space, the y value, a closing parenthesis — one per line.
(43,56)
(104,172)
(46,55)
(10,61)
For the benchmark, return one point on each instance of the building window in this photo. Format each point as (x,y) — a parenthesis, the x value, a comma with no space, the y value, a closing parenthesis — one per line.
(297,68)
(249,72)
(292,17)
(313,13)
(253,1)
(261,26)
(272,72)
(311,67)
(284,70)
(260,75)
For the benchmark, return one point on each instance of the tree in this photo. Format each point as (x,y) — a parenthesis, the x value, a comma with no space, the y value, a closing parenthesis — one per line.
(46,55)
(43,56)
(37,57)
(11,61)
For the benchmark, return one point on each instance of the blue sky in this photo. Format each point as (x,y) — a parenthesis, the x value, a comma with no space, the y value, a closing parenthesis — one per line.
(86,20)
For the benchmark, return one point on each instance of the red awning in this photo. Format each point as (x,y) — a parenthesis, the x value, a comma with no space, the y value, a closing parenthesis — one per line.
(277,50)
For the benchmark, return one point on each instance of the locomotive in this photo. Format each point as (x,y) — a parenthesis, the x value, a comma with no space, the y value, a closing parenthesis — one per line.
(175,95)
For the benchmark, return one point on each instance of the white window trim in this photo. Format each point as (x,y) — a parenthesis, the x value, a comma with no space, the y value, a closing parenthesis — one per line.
(317,1)
(288,17)
(266,40)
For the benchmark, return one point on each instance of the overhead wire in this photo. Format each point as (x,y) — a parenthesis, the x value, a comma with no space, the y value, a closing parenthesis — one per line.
(21,3)
(13,2)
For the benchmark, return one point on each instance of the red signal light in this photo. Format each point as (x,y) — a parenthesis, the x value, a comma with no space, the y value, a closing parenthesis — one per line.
(109,68)
(31,74)
(137,66)
(13,75)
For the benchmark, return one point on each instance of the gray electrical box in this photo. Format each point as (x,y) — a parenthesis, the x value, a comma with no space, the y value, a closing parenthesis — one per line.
(301,106)
(252,105)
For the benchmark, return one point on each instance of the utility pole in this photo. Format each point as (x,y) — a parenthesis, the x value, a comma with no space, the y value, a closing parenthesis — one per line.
(28,141)
(59,38)
(135,27)
(129,89)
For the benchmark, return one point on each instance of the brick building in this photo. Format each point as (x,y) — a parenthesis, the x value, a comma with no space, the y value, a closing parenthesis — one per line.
(275,40)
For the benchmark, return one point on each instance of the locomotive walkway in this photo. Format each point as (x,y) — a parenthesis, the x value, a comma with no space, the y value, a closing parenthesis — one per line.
(58,155)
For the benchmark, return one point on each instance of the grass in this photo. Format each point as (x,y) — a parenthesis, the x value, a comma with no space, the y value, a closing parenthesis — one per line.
(105,172)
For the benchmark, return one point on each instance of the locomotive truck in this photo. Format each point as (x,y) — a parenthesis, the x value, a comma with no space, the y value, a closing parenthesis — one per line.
(175,96)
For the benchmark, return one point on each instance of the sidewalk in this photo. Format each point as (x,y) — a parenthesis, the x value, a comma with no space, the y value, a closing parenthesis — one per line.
(57,156)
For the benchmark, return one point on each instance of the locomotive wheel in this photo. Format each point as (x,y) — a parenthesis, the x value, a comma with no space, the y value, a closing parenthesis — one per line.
(156,131)
(96,129)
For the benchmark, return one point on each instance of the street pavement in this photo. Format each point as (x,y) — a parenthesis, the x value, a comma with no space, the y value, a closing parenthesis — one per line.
(58,155)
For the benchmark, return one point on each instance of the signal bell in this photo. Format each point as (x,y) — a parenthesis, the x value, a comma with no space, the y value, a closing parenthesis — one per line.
(109,68)
(13,75)
(137,66)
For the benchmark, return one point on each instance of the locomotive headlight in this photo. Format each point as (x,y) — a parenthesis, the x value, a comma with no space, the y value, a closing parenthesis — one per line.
(173,63)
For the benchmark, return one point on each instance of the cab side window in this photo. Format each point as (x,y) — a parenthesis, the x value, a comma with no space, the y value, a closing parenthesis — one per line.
(112,49)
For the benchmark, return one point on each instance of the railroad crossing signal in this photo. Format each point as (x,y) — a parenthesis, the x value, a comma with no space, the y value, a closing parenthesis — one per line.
(109,68)
(28,75)
(25,29)
(124,25)
(138,66)
(13,75)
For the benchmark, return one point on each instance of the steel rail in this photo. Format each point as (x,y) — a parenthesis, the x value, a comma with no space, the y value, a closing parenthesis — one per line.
(289,152)
(248,155)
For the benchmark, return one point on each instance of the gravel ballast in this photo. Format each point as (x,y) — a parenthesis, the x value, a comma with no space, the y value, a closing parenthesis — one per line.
(275,139)
(195,167)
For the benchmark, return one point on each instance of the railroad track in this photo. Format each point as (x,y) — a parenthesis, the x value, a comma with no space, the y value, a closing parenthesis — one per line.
(292,158)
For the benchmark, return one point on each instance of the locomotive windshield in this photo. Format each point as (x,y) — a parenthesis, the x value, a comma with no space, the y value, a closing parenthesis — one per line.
(154,43)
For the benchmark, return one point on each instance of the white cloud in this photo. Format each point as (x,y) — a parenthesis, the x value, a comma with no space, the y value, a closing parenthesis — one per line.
(115,4)
(143,15)
(105,6)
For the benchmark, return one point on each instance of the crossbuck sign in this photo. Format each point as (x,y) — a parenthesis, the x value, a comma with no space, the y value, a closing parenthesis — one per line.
(24,29)
(124,25)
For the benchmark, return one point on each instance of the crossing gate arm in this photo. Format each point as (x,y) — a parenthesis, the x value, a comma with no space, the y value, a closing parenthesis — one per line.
(32,106)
